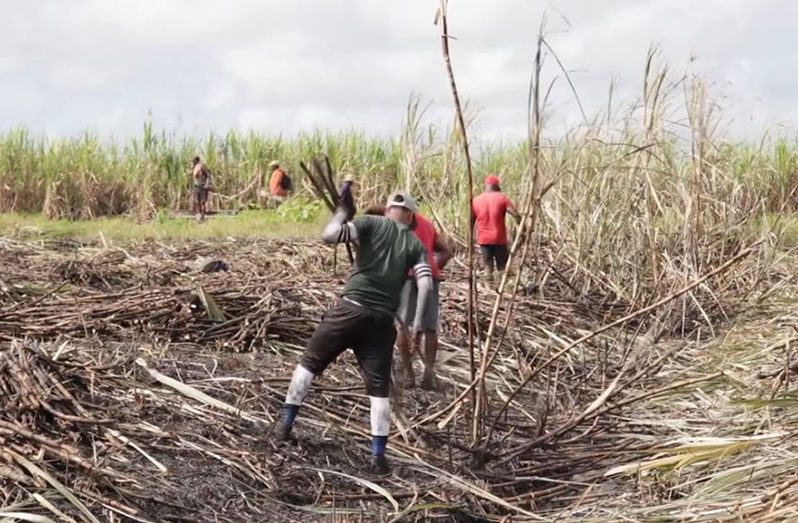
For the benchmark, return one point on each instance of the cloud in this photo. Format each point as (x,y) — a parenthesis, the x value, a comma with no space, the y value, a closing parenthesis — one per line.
(9,64)
(292,66)
(79,77)
(221,95)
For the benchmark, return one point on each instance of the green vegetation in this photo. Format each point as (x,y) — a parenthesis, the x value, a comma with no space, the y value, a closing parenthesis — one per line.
(88,177)
(296,210)
(122,230)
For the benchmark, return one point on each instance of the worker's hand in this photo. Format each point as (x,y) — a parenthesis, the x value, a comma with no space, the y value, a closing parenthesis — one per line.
(345,191)
(341,213)
(347,201)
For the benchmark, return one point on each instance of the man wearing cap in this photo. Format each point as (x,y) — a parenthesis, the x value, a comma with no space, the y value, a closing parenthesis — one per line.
(277,184)
(488,211)
(363,318)
(438,254)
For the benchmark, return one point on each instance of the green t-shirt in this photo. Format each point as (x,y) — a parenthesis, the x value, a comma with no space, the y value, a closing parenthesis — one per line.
(385,252)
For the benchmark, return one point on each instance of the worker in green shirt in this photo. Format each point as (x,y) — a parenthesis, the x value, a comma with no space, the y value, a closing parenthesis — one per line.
(363,318)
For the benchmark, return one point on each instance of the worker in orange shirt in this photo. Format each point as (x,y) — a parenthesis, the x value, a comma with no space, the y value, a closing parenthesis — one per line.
(488,211)
(280,183)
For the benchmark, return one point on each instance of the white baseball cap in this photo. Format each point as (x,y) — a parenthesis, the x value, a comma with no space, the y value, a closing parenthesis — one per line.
(402,199)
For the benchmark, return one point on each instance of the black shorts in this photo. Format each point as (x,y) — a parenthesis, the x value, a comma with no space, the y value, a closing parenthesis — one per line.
(200,194)
(495,253)
(370,334)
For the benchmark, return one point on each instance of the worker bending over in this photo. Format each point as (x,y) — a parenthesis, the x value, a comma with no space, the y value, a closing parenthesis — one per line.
(363,317)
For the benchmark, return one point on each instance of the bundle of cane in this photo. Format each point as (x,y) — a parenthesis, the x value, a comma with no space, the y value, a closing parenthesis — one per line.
(322,180)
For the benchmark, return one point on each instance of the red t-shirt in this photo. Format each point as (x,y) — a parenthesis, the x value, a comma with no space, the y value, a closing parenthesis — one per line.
(489,208)
(426,233)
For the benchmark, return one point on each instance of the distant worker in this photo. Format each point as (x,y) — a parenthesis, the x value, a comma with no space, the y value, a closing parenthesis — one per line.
(363,318)
(280,183)
(202,184)
(488,212)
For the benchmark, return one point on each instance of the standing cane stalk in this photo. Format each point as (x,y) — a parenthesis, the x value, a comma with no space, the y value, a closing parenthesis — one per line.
(472,298)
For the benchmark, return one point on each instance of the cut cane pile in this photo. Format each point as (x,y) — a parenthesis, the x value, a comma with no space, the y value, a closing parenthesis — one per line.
(134,386)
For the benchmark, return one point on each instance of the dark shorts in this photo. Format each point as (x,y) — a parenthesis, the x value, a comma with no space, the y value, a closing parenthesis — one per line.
(407,309)
(200,194)
(495,253)
(368,333)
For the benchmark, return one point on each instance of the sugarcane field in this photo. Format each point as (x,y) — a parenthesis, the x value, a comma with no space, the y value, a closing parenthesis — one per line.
(454,263)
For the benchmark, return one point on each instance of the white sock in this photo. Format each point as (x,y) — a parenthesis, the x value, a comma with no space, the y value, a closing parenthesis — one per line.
(380,416)
(300,384)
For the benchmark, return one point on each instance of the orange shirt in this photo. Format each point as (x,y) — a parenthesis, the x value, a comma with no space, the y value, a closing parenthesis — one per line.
(274,183)
(426,233)
(490,208)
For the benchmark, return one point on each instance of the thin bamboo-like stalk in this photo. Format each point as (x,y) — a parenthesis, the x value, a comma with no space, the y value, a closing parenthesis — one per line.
(726,266)
(472,291)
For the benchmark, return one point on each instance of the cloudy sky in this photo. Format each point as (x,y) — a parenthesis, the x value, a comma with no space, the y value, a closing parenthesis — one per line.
(287,66)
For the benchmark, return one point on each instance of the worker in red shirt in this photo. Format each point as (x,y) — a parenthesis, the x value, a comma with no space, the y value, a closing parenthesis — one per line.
(488,211)
(439,253)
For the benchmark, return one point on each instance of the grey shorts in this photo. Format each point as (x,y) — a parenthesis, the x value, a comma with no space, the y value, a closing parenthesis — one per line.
(407,308)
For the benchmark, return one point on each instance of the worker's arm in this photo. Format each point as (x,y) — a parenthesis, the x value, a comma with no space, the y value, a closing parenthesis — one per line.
(339,230)
(423,274)
(443,252)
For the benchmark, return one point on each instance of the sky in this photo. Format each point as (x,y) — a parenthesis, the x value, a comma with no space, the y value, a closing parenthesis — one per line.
(292,66)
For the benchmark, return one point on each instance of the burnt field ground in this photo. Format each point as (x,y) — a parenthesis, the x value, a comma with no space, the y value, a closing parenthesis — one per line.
(135,387)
